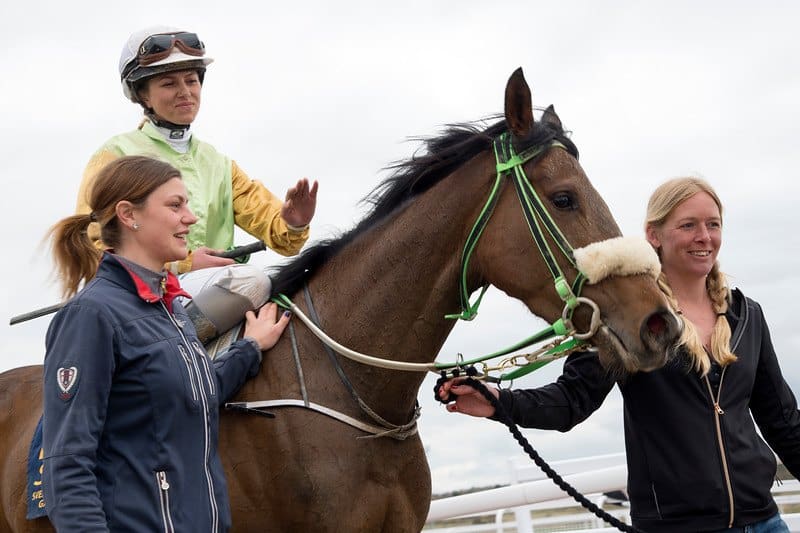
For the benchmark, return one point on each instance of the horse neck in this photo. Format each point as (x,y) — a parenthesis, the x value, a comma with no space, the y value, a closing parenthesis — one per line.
(387,292)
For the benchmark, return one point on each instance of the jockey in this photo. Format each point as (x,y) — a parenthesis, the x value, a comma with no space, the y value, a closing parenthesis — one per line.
(162,69)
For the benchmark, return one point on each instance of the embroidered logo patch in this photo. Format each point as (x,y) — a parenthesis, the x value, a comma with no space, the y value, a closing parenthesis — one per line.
(66,379)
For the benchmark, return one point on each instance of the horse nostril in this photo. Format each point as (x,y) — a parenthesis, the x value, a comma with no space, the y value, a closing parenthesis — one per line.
(657,324)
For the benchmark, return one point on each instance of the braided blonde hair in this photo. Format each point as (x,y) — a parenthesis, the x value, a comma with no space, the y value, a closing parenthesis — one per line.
(662,202)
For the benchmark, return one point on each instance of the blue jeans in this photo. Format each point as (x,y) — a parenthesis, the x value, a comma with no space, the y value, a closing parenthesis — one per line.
(771,525)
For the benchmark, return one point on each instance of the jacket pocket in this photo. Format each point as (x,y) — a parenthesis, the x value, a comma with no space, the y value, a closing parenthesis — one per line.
(163,497)
(187,363)
(201,354)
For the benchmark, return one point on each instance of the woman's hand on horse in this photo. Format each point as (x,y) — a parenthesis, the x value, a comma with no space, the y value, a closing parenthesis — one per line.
(300,204)
(264,326)
(468,400)
(204,258)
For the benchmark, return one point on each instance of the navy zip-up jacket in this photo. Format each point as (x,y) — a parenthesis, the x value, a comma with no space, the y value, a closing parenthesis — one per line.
(695,461)
(131,411)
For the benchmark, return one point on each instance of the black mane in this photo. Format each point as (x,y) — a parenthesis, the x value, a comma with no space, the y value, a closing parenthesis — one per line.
(443,154)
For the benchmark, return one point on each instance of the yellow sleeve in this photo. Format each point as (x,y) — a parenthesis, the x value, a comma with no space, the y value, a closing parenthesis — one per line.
(96,163)
(257,211)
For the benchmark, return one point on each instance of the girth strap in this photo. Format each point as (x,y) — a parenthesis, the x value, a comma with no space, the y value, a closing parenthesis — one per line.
(396,432)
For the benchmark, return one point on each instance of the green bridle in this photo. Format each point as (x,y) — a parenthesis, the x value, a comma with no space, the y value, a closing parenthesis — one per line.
(536,216)
(509,164)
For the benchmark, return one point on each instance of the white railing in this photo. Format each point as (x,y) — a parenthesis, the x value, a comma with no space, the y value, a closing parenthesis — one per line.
(533,503)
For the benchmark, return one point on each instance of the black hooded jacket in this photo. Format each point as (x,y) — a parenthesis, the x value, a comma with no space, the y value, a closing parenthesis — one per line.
(695,460)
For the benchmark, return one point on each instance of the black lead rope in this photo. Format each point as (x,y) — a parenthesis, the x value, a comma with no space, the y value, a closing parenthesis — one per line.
(552,474)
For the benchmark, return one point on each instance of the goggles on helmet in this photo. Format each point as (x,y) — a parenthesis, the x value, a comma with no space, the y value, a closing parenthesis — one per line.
(159,46)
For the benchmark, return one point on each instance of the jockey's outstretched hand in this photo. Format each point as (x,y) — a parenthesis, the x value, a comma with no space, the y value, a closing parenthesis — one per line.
(467,400)
(204,258)
(300,204)
(264,326)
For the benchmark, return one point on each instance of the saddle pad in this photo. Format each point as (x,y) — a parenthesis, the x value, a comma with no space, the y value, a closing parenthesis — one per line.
(34,493)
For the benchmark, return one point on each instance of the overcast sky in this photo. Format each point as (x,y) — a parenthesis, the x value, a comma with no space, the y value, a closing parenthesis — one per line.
(333,90)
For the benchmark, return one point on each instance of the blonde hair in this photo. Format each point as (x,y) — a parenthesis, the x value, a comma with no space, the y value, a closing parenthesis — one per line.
(131,178)
(662,202)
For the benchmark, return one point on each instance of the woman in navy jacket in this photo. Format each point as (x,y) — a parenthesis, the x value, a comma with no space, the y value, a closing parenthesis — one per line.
(131,399)
(695,460)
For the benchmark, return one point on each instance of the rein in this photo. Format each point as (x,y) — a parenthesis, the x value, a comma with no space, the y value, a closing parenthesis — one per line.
(540,357)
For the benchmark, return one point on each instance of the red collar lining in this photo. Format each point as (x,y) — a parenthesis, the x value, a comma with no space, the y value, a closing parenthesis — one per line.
(172,288)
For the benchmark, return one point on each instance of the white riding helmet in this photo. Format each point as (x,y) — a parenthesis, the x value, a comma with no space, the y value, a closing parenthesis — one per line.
(177,50)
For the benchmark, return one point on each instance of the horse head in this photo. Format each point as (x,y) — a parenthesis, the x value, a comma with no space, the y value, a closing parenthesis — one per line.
(637,331)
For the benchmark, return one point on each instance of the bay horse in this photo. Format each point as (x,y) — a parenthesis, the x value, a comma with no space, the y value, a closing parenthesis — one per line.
(384,288)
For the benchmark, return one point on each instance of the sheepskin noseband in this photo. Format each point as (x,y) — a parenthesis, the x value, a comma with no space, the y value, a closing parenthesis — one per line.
(620,256)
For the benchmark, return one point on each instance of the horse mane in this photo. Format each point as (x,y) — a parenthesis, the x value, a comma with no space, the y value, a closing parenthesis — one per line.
(457,144)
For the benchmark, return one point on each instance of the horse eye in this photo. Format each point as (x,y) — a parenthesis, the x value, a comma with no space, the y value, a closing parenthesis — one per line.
(564,201)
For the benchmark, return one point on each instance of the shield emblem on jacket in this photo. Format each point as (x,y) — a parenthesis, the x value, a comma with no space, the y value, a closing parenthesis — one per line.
(66,379)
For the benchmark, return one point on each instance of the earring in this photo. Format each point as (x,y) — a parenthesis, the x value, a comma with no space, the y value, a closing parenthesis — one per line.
(135,226)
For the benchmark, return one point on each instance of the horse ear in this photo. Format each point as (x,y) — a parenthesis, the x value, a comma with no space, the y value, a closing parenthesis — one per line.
(549,117)
(519,109)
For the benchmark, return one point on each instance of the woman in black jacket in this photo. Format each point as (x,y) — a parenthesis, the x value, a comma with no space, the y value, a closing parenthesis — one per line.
(695,460)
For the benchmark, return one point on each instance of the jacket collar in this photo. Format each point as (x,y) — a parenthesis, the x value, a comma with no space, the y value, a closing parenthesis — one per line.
(149,129)
(118,271)
(737,316)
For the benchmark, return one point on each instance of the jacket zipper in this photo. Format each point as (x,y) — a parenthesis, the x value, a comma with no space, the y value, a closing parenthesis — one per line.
(163,496)
(206,436)
(718,412)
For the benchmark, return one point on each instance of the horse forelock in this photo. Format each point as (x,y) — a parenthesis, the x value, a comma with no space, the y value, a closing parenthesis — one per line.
(440,156)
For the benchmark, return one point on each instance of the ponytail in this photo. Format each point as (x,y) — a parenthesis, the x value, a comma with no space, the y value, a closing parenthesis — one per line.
(75,257)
